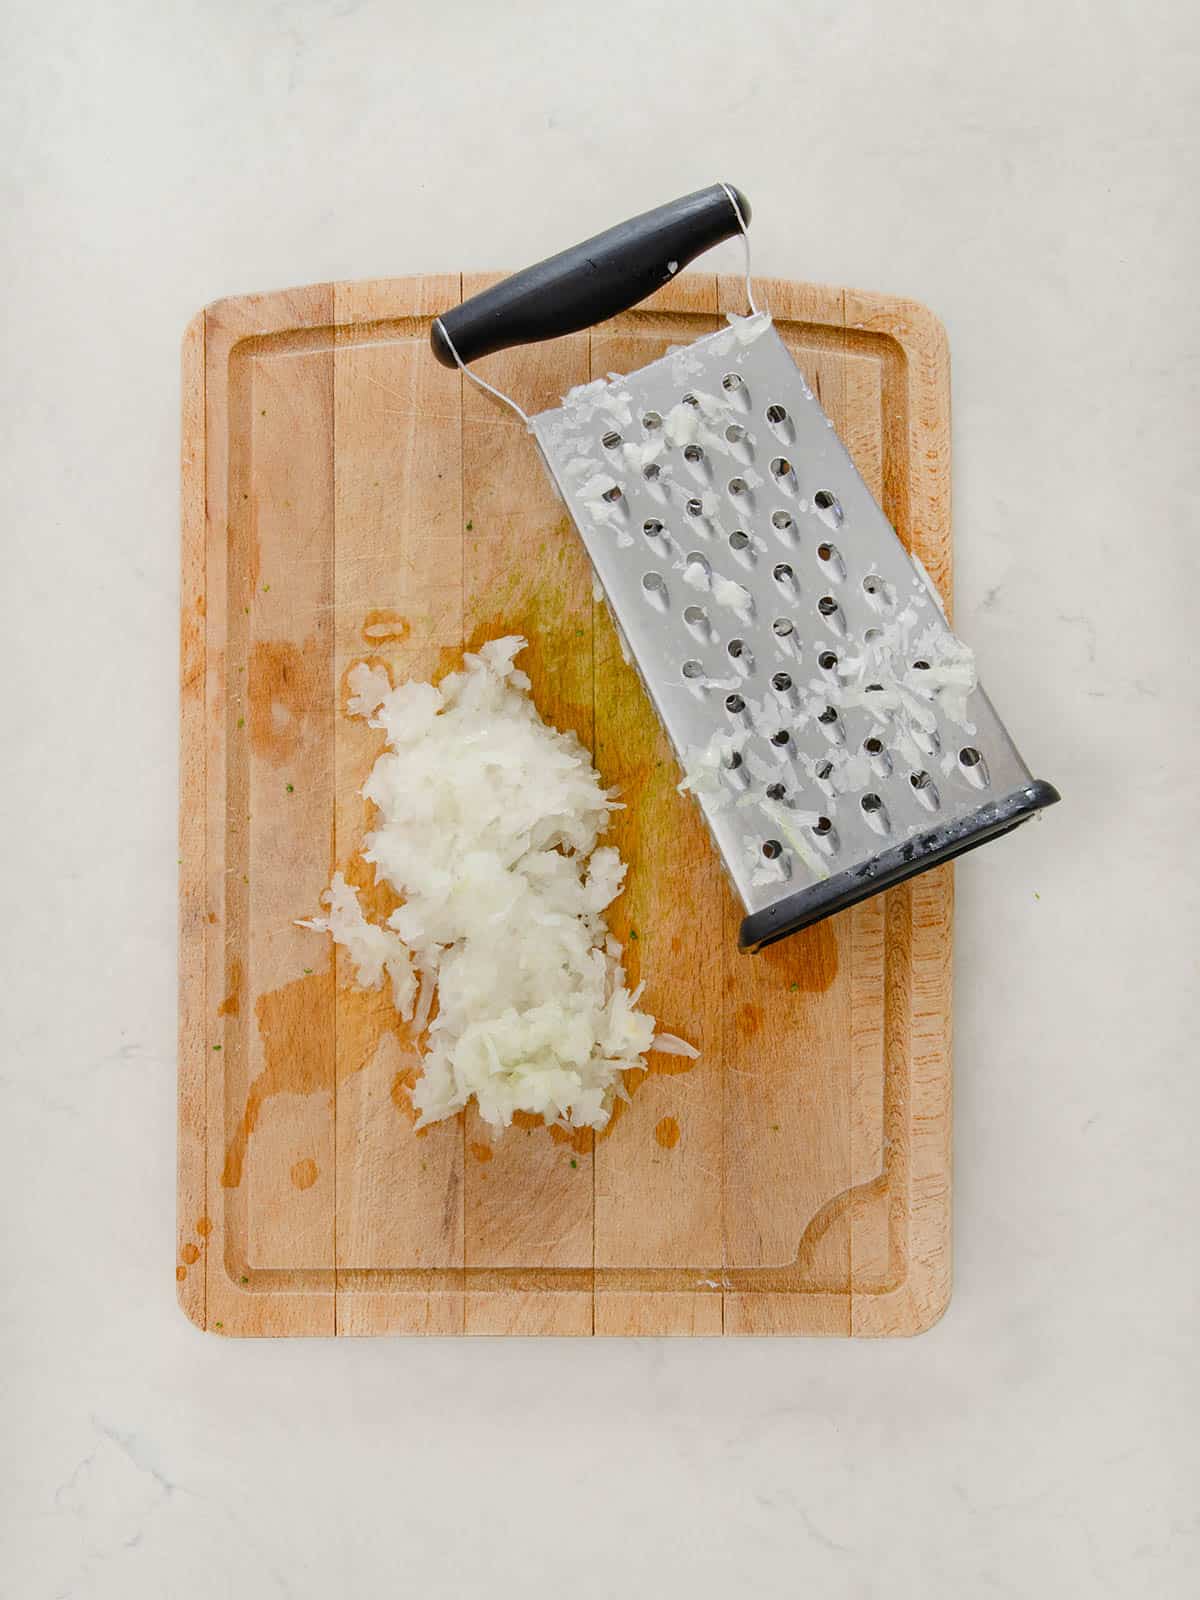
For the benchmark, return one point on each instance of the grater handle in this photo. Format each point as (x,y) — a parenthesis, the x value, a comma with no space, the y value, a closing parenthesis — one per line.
(593,280)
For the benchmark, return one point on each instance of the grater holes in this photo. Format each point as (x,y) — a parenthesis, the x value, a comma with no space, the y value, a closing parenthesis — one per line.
(773,852)
(654,587)
(736,391)
(611,439)
(694,507)
(740,654)
(697,463)
(742,547)
(735,705)
(738,489)
(738,442)
(783,628)
(827,661)
(776,792)
(783,575)
(870,636)
(829,716)
(923,686)
(876,752)
(781,739)
(652,528)
(823,771)
(691,400)
(925,790)
(784,474)
(824,835)
(831,556)
(780,423)
(875,813)
(696,618)
(734,768)
(613,509)
(829,508)
(973,766)
(656,484)
(692,670)
(879,592)
(651,421)
(784,526)
(781,682)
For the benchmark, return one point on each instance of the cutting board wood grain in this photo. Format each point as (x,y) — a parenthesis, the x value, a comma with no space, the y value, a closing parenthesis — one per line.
(346,499)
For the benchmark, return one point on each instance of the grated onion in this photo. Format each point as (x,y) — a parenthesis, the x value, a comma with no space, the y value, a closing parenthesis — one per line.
(728,593)
(671,1045)
(488,823)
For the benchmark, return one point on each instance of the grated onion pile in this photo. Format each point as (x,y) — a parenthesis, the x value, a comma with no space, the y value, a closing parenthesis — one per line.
(488,824)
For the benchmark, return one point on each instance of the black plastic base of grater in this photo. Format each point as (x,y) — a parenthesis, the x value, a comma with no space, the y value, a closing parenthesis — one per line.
(890,867)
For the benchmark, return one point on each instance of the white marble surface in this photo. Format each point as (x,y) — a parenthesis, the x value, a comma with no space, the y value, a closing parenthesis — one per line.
(1028,171)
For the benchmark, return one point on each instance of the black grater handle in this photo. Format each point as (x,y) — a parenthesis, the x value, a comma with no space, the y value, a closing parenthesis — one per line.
(593,280)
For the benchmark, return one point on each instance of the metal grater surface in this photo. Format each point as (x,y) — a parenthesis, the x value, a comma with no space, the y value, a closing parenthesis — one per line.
(822,709)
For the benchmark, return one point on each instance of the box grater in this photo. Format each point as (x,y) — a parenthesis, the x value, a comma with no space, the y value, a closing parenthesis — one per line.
(827,719)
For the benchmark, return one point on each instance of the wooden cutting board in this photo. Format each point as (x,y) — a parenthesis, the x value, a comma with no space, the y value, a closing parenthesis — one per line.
(346,499)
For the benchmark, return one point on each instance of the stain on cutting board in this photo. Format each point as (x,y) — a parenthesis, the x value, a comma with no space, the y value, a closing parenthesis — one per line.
(288,690)
(305,1173)
(293,1025)
(806,961)
(232,1003)
(666,1133)
(383,626)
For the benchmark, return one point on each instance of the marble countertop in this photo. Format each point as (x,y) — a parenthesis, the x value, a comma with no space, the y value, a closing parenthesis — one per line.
(1031,180)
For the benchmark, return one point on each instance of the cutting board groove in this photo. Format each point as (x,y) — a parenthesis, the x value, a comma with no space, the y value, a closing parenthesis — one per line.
(346,499)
